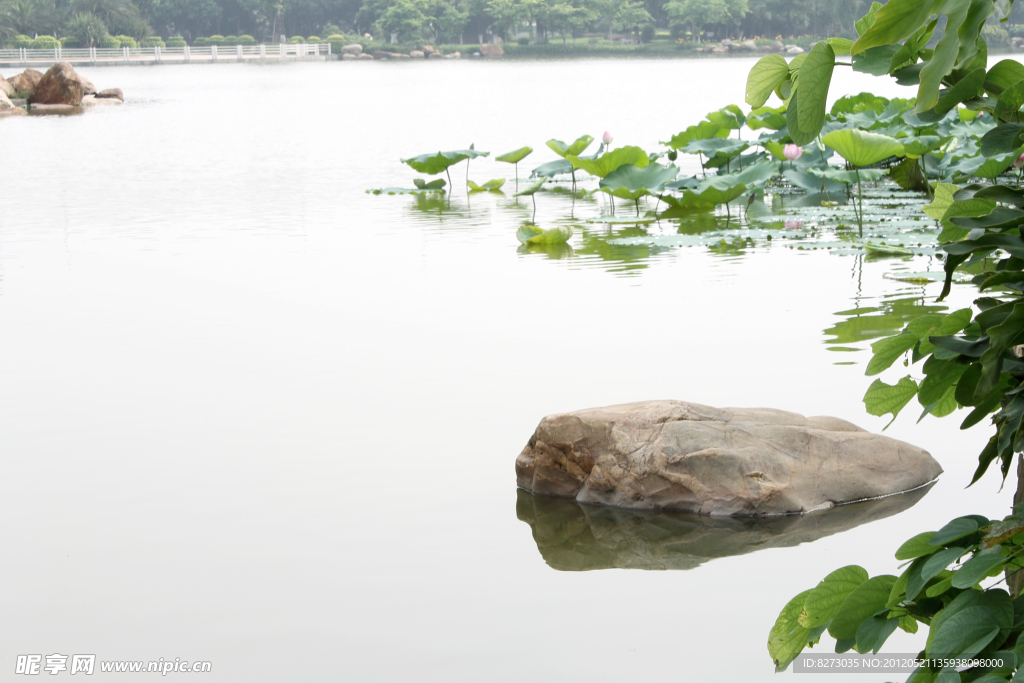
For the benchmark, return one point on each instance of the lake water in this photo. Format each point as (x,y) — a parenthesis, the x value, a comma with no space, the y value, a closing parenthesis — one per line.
(253,415)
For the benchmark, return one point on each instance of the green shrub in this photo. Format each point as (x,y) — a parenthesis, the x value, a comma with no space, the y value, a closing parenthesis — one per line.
(176,41)
(21,40)
(296,39)
(201,42)
(314,39)
(127,41)
(70,42)
(523,40)
(1016,31)
(231,40)
(215,40)
(647,33)
(45,43)
(153,41)
(246,40)
(110,41)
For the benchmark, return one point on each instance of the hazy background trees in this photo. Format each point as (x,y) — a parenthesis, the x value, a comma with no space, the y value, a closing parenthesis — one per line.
(442,21)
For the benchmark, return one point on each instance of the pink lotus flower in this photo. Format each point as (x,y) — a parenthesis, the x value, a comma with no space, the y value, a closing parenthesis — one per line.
(1020,160)
(792,152)
(606,138)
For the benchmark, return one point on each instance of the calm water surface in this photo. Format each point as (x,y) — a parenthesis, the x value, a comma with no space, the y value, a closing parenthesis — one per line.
(253,415)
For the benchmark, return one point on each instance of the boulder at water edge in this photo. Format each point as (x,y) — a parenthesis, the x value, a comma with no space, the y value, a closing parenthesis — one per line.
(674,455)
(7,107)
(353,49)
(87,87)
(5,87)
(111,94)
(25,81)
(492,50)
(59,85)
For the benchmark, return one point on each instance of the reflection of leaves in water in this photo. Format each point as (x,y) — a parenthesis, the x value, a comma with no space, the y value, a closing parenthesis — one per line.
(438,205)
(595,243)
(552,251)
(865,324)
(574,537)
(731,248)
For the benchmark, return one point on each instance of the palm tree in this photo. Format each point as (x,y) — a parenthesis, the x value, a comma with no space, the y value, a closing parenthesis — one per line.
(32,17)
(110,12)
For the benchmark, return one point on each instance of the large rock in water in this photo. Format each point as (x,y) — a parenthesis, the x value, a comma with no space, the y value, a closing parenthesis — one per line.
(25,81)
(492,50)
(59,85)
(731,461)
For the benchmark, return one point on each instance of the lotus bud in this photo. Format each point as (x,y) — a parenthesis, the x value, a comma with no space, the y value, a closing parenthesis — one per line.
(792,152)
(1020,160)
(606,138)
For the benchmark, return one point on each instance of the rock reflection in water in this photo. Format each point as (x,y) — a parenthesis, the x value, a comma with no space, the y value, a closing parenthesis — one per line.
(574,537)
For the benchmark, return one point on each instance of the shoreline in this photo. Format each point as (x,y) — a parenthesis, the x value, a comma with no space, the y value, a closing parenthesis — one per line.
(177,60)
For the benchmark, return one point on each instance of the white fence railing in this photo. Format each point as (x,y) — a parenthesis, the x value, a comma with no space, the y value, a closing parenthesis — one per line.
(24,55)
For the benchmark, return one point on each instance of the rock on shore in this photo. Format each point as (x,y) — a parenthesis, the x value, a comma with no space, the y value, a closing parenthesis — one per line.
(717,461)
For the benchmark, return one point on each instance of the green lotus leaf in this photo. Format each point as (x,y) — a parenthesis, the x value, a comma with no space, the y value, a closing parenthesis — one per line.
(861,148)
(855,104)
(810,182)
(848,177)
(575,149)
(610,161)
(533,235)
(916,148)
(755,174)
(702,131)
(632,182)
(710,193)
(730,117)
(421,184)
(432,164)
(887,249)
(727,147)
(515,156)
(489,186)
(995,166)
(531,188)
(552,168)
(772,118)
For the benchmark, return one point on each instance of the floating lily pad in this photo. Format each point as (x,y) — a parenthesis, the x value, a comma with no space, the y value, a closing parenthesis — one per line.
(623,220)
(534,235)
(405,190)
